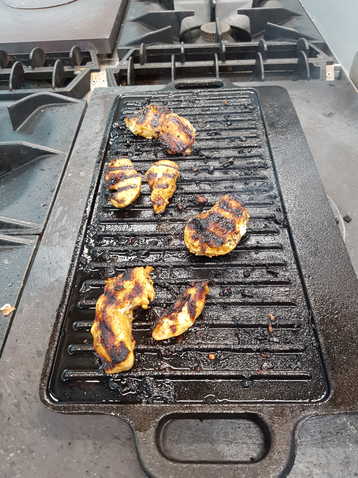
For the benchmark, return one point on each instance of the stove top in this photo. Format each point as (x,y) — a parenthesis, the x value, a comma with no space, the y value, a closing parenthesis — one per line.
(202,21)
(57,25)
(149,45)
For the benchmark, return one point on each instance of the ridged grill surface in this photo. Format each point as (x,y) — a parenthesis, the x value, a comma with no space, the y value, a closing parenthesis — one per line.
(255,358)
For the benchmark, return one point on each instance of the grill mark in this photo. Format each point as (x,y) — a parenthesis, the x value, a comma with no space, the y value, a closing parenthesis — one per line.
(162,186)
(128,275)
(227,206)
(136,291)
(114,168)
(151,176)
(191,304)
(124,188)
(168,175)
(107,335)
(120,177)
(173,144)
(198,227)
(117,353)
(202,227)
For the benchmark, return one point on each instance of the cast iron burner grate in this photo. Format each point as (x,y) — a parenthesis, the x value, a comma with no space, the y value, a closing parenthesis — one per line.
(259,278)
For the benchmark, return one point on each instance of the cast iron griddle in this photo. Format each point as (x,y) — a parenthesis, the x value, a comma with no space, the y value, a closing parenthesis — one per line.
(249,143)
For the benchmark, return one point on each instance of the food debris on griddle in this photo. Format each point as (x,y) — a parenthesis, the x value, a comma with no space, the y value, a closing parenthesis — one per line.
(201,199)
(7,309)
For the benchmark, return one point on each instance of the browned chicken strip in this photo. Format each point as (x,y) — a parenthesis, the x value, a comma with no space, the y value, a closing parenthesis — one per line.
(123,181)
(217,231)
(183,314)
(162,178)
(113,341)
(176,133)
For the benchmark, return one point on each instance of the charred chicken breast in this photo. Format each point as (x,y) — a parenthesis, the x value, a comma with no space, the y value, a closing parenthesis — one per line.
(113,341)
(176,133)
(123,181)
(217,231)
(162,178)
(183,314)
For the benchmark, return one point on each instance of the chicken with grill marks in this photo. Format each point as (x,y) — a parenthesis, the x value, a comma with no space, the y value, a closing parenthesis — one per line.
(183,314)
(176,133)
(113,341)
(162,178)
(123,181)
(217,231)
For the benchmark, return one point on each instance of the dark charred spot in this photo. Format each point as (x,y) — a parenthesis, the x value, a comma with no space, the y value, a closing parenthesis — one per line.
(136,291)
(202,227)
(118,353)
(199,227)
(217,219)
(107,336)
(111,298)
(192,307)
(231,206)
(118,177)
(128,275)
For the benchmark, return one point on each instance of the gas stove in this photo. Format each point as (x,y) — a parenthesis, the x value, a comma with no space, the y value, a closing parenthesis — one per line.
(202,42)
(167,46)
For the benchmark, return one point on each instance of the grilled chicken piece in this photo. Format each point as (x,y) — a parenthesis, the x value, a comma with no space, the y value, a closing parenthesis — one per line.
(176,133)
(124,181)
(112,328)
(147,121)
(183,314)
(162,178)
(217,231)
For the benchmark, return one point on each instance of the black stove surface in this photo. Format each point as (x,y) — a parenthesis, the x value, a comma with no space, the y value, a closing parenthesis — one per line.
(203,21)
(56,25)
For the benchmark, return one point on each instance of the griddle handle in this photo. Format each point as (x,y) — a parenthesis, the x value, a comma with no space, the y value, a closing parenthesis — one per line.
(278,428)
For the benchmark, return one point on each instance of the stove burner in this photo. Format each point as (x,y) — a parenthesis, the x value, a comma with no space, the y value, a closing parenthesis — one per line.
(209,31)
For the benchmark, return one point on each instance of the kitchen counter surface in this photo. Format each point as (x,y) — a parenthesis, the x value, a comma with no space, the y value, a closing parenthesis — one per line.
(36,442)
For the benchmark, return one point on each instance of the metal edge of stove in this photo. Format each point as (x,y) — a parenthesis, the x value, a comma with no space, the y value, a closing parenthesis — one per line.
(23,145)
(334,303)
(78,87)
